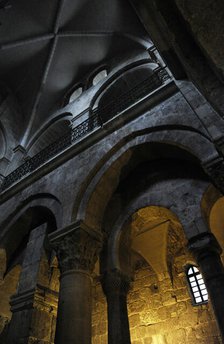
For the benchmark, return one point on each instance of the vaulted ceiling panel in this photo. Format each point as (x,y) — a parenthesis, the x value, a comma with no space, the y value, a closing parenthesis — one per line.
(48,46)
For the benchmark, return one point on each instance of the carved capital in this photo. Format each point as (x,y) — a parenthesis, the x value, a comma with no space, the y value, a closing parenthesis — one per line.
(115,282)
(204,244)
(215,169)
(77,247)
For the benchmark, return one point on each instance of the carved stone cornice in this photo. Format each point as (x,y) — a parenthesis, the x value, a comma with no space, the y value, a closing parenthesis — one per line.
(115,282)
(215,169)
(204,244)
(77,247)
(40,298)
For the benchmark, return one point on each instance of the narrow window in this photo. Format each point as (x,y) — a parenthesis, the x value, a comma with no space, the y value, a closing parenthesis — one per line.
(197,285)
(75,94)
(99,76)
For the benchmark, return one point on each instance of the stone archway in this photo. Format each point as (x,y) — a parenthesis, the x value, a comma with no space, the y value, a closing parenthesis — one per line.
(95,194)
(159,304)
(24,241)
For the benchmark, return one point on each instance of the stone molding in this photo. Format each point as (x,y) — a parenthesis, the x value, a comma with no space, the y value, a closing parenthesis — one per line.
(115,282)
(215,169)
(38,298)
(77,247)
(204,244)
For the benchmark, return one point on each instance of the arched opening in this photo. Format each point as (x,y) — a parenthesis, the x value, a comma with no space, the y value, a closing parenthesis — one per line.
(152,248)
(101,75)
(151,245)
(136,170)
(16,236)
(159,303)
(30,278)
(50,135)
(74,93)
(127,89)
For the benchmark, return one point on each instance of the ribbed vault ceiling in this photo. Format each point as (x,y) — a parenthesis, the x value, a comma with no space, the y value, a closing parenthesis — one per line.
(47,46)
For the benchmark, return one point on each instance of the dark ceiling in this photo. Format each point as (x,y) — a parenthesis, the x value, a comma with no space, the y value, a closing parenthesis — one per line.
(47,46)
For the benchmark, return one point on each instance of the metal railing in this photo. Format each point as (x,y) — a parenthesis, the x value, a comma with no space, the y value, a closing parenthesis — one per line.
(99,116)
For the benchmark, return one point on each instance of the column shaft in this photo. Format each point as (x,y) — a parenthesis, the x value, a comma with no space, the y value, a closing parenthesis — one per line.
(116,287)
(74,309)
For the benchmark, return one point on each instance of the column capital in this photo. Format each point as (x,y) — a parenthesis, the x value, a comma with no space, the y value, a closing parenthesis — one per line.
(77,247)
(115,282)
(204,243)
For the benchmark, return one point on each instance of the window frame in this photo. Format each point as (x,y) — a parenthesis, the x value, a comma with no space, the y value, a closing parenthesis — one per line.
(192,292)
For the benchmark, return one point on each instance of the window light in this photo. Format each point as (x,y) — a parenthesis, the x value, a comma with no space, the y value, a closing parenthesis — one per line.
(99,76)
(75,94)
(197,285)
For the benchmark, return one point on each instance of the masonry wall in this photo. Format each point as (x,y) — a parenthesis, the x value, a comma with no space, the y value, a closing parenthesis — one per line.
(65,181)
(160,312)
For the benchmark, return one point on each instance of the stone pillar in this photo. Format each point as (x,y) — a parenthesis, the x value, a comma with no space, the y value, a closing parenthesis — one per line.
(206,251)
(77,248)
(34,305)
(115,286)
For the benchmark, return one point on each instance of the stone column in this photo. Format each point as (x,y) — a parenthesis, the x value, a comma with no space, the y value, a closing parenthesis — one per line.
(34,305)
(77,248)
(206,251)
(115,286)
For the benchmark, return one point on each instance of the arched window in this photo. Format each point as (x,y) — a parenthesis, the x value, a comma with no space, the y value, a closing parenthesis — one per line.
(75,94)
(197,285)
(99,76)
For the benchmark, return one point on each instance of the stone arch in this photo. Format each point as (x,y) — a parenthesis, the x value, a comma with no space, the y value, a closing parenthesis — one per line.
(34,211)
(55,128)
(177,198)
(210,197)
(107,172)
(110,80)
(124,86)
(151,233)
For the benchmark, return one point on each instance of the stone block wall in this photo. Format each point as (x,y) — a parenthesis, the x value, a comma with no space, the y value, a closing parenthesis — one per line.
(160,312)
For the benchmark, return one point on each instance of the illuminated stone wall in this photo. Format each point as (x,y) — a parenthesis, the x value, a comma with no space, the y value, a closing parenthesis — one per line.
(7,289)
(160,312)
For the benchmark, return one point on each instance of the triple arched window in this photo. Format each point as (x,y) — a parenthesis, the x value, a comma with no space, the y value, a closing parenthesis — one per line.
(197,286)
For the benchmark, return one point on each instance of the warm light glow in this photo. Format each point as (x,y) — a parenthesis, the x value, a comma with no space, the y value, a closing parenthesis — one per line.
(158,339)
